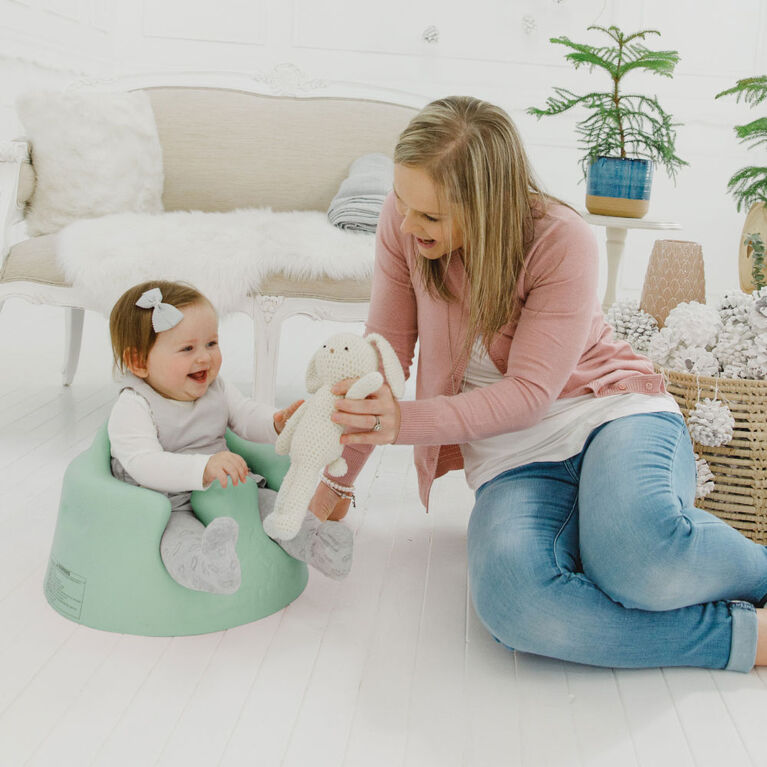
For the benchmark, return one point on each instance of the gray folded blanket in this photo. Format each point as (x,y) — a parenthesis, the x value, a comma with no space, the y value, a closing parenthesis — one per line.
(359,199)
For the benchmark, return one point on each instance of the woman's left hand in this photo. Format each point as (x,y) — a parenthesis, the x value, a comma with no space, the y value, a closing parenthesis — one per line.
(363,415)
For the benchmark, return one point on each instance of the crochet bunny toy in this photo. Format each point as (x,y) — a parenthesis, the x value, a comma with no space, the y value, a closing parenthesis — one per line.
(311,438)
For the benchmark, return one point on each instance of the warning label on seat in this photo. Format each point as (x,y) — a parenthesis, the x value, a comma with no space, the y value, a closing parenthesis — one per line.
(64,590)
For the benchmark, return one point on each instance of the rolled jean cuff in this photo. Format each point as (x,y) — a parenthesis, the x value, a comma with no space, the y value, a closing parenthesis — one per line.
(743,643)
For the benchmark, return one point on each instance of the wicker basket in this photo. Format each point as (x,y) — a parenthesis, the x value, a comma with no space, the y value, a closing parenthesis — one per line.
(740,467)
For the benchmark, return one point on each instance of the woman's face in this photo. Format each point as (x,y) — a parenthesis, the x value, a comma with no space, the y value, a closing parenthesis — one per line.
(434,226)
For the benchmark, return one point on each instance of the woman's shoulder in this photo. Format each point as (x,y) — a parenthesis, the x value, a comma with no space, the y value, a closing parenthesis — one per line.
(562,242)
(558,225)
(558,218)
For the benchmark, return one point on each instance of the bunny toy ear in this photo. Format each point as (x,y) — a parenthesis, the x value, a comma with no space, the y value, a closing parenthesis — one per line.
(313,380)
(392,369)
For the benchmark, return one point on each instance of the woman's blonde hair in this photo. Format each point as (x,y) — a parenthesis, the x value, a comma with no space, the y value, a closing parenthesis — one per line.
(472,152)
(130,326)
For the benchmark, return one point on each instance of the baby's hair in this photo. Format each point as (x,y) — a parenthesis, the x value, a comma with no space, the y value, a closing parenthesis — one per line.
(130,326)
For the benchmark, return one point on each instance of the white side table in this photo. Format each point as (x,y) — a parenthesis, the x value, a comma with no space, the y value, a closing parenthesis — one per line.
(616,228)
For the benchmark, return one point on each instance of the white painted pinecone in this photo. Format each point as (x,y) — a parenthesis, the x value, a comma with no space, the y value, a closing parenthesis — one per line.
(695,324)
(662,346)
(735,307)
(705,479)
(733,345)
(759,311)
(735,371)
(711,423)
(696,360)
(632,324)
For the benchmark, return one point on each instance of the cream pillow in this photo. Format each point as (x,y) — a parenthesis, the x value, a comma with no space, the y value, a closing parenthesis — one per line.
(93,153)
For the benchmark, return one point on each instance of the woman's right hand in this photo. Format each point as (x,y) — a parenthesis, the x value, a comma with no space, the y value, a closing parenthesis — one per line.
(327,504)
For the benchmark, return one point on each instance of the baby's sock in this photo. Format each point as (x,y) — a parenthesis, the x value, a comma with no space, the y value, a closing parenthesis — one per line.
(202,558)
(219,554)
(326,546)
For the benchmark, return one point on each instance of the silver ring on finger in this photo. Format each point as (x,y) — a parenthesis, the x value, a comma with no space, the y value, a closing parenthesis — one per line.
(377,427)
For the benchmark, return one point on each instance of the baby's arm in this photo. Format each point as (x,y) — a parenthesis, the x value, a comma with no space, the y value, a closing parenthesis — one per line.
(133,438)
(251,419)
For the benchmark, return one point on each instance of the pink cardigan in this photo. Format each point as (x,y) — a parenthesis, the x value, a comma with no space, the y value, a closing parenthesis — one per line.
(559,346)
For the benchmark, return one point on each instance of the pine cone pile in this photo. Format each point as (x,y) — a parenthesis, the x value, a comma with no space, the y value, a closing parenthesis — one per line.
(729,341)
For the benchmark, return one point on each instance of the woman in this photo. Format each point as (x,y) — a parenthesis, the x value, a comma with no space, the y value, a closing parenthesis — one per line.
(584,543)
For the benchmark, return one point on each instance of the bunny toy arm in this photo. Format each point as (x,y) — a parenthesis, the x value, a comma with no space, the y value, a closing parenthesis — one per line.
(365,386)
(282,445)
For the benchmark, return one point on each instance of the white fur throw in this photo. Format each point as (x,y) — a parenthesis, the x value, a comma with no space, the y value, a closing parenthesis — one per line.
(94,153)
(224,255)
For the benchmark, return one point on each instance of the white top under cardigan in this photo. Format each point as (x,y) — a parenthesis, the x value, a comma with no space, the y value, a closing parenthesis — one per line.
(561,434)
(135,444)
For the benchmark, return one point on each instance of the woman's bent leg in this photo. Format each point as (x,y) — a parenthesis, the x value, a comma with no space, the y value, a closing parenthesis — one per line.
(642,539)
(529,590)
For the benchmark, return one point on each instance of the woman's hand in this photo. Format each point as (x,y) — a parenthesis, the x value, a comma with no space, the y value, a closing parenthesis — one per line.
(363,416)
(327,504)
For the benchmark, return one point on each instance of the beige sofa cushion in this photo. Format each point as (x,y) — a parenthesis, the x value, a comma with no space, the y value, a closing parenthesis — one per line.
(213,144)
(35,260)
(26,183)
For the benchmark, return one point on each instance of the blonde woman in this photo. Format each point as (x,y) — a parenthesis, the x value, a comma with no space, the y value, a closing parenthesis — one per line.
(584,543)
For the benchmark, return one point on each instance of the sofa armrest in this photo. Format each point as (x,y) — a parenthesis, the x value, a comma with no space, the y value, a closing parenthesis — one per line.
(14,155)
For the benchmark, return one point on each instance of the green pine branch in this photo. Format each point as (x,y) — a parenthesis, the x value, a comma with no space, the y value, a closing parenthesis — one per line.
(753,90)
(749,185)
(753,133)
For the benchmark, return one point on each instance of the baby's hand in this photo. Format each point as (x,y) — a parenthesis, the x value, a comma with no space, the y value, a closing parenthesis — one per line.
(281,416)
(225,464)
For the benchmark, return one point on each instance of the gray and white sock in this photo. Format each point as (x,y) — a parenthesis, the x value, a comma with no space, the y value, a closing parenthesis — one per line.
(202,558)
(325,546)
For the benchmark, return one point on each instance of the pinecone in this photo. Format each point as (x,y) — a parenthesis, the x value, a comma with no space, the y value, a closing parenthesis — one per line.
(705,479)
(711,423)
(663,345)
(734,342)
(632,324)
(696,324)
(695,360)
(735,307)
(759,311)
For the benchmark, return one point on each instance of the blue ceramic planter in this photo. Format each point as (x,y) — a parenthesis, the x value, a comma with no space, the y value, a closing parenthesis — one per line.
(618,186)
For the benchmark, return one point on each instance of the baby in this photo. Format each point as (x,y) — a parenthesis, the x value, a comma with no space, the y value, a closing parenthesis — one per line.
(167,434)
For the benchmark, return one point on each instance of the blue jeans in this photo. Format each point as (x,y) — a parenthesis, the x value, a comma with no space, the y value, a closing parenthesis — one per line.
(603,558)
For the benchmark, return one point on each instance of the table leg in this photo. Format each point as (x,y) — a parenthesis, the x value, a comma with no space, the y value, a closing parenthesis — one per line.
(616,239)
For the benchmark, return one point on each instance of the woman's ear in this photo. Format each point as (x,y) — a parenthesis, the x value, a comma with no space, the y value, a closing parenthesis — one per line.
(391,366)
(134,363)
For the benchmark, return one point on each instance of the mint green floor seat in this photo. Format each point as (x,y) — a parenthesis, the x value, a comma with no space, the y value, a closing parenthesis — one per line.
(105,569)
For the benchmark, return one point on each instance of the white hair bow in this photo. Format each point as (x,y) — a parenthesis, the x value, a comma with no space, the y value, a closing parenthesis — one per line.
(164,316)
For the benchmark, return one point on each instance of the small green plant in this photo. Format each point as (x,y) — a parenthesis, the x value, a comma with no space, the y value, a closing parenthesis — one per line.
(755,242)
(619,124)
(749,185)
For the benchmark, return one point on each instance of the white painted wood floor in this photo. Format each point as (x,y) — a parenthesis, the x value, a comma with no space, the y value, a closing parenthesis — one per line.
(390,667)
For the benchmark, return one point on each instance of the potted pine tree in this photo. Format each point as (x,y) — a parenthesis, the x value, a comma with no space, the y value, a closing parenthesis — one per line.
(749,185)
(623,133)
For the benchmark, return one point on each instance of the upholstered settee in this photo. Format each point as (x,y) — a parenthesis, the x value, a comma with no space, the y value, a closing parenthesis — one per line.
(223,148)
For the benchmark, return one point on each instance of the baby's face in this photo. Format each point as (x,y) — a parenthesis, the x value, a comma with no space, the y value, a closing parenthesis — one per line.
(185,360)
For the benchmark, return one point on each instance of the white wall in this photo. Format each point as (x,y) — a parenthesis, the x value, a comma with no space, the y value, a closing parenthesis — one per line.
(495,49)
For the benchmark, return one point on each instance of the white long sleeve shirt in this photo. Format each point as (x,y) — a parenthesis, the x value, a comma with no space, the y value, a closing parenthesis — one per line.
(134,441)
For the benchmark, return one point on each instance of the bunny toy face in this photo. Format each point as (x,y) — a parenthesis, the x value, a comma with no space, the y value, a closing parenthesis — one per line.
(344,355)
